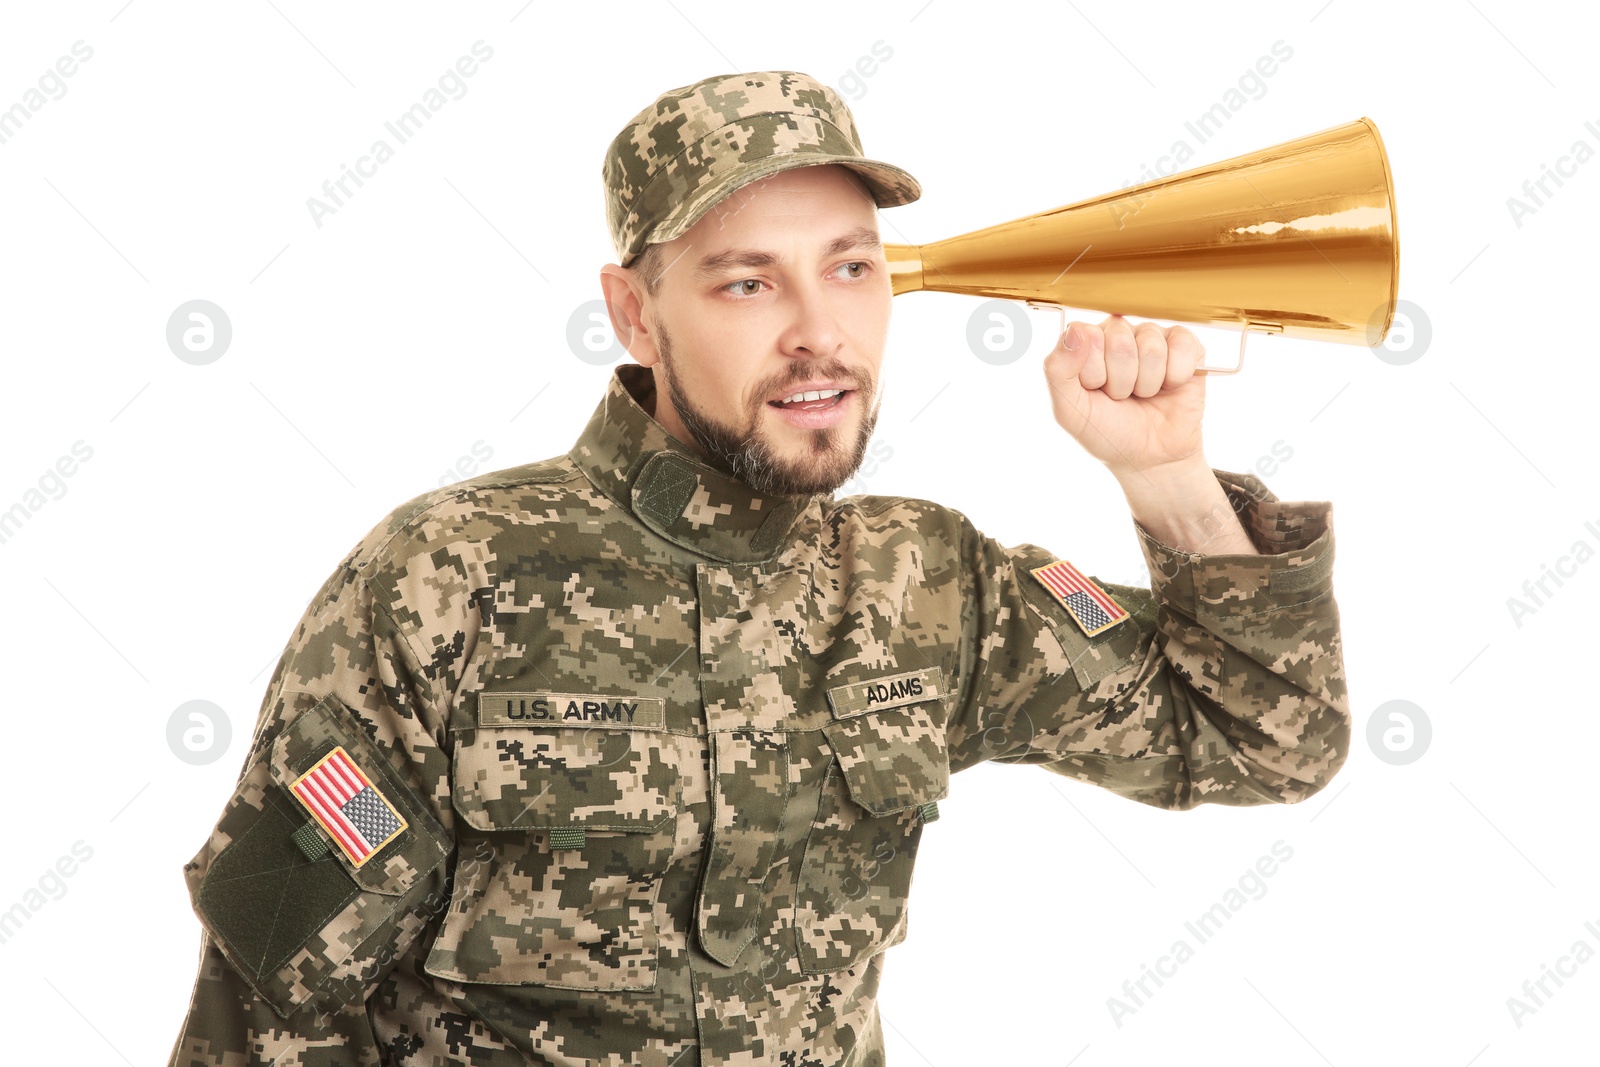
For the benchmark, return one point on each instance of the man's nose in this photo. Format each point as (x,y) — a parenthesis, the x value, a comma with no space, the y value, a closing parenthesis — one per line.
(813,329)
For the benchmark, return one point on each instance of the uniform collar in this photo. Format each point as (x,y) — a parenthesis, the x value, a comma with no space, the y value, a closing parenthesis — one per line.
(670,489)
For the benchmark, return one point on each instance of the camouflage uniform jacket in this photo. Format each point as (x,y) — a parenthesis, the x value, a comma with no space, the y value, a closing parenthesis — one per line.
(663,751)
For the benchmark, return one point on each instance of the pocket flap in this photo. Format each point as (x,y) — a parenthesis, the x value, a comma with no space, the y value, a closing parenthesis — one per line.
(891,760)
(539,773)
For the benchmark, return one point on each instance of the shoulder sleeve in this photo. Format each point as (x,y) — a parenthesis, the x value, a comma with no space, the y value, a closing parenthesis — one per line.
(1225,683)
(331,856)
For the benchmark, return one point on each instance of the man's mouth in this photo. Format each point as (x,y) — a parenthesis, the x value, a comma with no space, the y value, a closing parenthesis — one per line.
(811,400)
(825,404)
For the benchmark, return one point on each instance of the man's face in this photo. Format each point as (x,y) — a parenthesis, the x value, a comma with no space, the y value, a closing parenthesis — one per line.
(780,289)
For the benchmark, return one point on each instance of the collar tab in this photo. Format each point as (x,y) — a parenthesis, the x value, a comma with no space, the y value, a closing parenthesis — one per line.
(663,489)
(630,458)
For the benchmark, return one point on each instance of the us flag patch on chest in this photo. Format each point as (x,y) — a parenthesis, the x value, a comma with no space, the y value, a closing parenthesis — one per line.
(347,805)
(1090,606)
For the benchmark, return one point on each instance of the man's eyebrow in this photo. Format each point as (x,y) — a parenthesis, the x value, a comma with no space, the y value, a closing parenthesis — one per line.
(717,263)
(857,238)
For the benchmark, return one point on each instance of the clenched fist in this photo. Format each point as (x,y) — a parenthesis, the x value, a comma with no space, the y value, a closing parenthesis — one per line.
(1129,394)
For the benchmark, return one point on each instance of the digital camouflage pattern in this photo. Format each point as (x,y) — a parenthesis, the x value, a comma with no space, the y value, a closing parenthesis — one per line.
(697,143)
(667,748)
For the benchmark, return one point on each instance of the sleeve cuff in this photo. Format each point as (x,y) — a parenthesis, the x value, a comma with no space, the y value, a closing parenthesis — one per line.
(1295,540)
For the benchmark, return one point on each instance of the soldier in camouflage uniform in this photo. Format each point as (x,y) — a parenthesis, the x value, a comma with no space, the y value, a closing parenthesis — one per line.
(623,757)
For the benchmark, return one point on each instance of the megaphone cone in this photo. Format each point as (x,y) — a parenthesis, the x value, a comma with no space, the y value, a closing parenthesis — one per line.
(1299,239)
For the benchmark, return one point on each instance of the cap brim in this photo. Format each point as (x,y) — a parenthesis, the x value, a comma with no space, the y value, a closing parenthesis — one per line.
(890,187)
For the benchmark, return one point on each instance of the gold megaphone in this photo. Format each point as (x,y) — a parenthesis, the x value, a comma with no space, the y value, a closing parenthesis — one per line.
(1298,239)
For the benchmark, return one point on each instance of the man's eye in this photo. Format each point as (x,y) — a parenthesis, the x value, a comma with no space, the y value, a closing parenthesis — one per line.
(751,286)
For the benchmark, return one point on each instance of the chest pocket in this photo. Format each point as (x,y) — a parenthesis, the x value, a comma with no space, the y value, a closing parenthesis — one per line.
(568,804)
(889,770)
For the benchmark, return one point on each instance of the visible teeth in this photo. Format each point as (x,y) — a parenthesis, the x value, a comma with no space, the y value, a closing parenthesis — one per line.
(815,395)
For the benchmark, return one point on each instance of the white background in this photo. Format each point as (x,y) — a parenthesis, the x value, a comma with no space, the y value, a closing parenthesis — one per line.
(427,318)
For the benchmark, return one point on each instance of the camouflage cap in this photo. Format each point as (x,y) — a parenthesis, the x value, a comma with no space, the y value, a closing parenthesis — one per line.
(698,143)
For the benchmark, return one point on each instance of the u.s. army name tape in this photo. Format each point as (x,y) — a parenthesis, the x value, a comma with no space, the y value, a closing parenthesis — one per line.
(571,709)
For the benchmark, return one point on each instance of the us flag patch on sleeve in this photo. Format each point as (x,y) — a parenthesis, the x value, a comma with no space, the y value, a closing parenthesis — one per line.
(347,805)
(1090,606)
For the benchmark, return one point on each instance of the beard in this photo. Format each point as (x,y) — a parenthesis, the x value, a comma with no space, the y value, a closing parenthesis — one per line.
(829,458)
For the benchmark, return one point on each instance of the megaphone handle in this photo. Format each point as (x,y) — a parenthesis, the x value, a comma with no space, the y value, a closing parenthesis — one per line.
(1244,335)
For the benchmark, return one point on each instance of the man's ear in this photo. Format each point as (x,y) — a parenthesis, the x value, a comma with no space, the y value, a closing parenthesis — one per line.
(625,303)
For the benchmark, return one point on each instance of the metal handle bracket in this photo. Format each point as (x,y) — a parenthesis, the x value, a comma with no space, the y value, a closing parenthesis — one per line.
(1244,334)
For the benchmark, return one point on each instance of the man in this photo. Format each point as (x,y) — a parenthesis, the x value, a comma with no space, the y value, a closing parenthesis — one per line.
(624,756)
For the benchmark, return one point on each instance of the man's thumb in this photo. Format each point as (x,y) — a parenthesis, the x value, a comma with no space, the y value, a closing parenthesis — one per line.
(1070,353)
